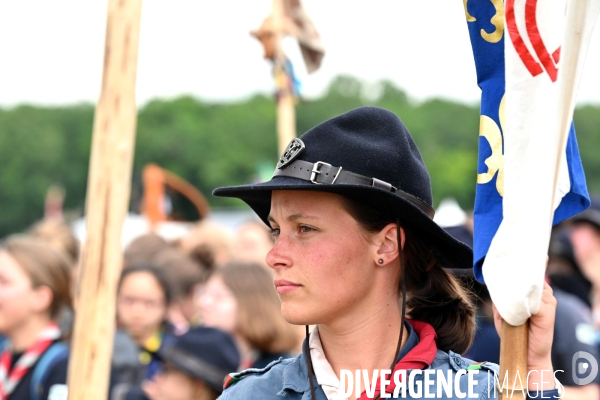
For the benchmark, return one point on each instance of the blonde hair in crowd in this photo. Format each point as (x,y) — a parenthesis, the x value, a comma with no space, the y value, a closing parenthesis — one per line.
(259,311)
(45,266)
(57,234)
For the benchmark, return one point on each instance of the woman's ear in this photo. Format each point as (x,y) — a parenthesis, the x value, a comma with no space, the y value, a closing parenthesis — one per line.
(387,244)
(43,298)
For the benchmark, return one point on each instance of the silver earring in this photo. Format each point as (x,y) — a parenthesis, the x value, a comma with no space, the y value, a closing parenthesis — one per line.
(380,261)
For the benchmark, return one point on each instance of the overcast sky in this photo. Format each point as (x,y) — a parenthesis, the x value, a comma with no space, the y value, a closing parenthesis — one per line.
(51,50)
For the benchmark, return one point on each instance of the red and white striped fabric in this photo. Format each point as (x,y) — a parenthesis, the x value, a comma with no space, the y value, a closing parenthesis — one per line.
(9,379)
(545,47)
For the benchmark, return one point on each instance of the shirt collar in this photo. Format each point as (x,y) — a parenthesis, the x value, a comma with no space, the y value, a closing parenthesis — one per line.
(324,373)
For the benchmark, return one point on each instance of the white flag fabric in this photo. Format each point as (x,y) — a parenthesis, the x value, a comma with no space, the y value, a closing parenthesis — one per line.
(545,46)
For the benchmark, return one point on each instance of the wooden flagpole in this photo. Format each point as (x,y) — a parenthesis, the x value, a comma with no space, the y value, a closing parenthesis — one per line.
(514,342)
(286,112)
(106,205)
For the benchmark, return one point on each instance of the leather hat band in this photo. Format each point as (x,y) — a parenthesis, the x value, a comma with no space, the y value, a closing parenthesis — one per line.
(324,173)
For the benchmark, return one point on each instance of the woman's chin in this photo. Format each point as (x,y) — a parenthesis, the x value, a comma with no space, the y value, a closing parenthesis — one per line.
(297,314)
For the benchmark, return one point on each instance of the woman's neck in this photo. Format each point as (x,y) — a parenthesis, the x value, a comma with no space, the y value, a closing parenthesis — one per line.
(366,340)
(27,333)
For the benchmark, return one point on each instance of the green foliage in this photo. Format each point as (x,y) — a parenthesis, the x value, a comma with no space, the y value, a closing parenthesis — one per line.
(40,147)
(214,145)
(587,125)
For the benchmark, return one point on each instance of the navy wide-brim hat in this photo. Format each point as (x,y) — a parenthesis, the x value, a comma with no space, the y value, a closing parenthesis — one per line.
(366,155)
(207,354)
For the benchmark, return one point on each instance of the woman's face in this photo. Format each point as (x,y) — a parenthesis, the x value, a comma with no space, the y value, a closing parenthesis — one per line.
(141,304)
(18,300)
(322,258)
(218,305)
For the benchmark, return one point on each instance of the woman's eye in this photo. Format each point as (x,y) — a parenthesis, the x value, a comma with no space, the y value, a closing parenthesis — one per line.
(305,229)
(275,233)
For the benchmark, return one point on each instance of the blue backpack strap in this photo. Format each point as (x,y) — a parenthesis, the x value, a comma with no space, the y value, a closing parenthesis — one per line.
(55,353)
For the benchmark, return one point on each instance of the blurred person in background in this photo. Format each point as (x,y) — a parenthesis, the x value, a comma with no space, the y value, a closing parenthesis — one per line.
(59,235)
(143,249)
(241,300)
(563,270)
(209,236)
(585,238)
(143,299)
(35,288)
(574,333)
(194,366)
(252,242)
(186,276)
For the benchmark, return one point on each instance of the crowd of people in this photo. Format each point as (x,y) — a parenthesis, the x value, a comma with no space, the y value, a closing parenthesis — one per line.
(189,312)
(192,311)
(572,272)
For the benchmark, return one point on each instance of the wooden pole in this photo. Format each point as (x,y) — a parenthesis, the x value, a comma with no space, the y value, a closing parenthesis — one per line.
(514,341)
(286,112)
(106,205)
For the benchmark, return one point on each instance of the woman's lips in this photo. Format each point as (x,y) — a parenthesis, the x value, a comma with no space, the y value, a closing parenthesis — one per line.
(283,286)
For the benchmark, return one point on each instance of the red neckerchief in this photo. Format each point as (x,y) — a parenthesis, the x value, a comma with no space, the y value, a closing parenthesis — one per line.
(9,379)
(419,357)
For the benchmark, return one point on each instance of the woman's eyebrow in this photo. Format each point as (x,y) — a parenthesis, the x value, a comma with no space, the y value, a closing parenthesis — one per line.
(293,217)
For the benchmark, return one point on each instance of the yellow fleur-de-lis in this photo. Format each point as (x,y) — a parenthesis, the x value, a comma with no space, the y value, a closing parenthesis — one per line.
(495,163)
(497,20)
(470,18)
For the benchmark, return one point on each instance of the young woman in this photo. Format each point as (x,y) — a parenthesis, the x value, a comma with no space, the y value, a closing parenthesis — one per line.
(357,251)
(34,290)
(194,366)
(240,299)
(143,299)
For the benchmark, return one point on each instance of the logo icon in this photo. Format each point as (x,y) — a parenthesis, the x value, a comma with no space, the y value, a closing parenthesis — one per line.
(291,152)
(581,367)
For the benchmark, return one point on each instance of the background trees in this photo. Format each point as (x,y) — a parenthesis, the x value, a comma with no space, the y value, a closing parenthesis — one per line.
(213,145)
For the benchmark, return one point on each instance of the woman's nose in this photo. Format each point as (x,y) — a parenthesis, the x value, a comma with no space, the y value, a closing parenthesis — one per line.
(278,256)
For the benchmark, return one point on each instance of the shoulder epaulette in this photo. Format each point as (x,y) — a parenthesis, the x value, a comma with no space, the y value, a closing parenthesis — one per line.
(230,380)
(235,377)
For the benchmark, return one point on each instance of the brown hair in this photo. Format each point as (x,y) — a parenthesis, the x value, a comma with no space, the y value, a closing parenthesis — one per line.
(259,311)
(143,249)
(45,266)
(184,273)
(57,234)
(433,295)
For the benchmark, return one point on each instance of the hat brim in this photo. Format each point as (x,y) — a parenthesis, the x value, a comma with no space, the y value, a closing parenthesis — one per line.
(452,253)
(195,373)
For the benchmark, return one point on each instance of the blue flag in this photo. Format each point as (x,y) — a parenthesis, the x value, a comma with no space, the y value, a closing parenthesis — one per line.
(486,22)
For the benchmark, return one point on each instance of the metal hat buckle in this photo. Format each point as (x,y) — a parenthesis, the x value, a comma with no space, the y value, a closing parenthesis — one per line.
(316,170)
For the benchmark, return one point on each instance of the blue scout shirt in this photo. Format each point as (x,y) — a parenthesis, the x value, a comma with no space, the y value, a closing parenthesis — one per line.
(286,379)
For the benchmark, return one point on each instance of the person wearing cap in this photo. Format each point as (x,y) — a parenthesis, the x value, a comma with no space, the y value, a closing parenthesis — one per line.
(194,366)
(585,239)
(356,252)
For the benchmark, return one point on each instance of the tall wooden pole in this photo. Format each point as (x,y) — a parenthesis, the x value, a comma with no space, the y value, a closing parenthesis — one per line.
(286,113)
(106,205)
(514,341)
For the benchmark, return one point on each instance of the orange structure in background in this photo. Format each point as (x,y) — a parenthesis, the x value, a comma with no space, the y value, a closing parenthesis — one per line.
(156,181)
